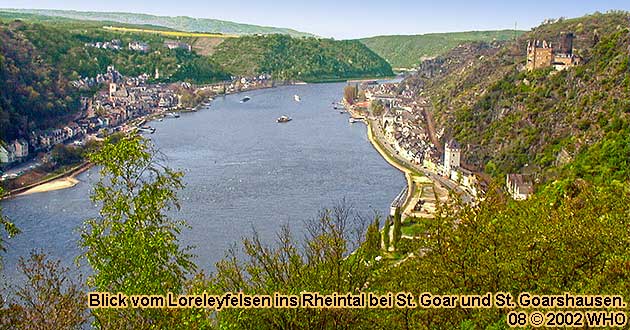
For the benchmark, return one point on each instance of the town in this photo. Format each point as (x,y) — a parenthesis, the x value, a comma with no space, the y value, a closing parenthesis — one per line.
(122,104)
(400,117)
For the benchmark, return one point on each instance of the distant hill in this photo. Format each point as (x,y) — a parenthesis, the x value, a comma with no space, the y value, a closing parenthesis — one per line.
(407,51)
(181,23)
(307,59)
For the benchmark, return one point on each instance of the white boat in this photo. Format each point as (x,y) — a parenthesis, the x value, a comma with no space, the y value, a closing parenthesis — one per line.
(147,129)
(283,119)
(352,120)
(173,114)
(297,98)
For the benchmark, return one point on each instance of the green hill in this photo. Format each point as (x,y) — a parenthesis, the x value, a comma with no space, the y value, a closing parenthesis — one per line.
(510,119)
(180,23)
(407,51)
(307,59)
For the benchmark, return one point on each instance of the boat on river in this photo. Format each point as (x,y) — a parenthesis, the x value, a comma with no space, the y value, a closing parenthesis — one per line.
(297,98)
(245,99)
(283,119)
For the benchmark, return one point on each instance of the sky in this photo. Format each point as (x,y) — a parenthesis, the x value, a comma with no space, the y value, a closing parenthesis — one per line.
(349,19)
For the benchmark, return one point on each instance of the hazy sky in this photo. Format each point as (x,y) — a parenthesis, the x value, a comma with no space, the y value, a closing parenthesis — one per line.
(344,19)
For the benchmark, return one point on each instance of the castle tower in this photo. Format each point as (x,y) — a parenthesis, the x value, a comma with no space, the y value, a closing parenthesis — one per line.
(565,45)
(452,155)
(539,55)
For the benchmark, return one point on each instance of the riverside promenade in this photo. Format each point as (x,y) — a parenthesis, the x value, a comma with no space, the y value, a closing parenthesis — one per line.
(415,175)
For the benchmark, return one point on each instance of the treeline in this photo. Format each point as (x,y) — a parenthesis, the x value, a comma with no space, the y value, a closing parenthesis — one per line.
(306,59)
(570,237)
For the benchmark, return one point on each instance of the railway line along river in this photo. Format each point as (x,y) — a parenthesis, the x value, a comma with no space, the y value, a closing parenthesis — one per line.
(243,171)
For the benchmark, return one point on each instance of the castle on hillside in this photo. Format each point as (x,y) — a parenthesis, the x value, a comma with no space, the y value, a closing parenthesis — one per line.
(541,54)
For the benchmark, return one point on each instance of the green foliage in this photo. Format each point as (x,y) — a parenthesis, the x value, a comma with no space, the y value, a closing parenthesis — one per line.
(397,230)
(39,60)
(386,230)
(67,155)
(132,246)
(508,117)
(49,298)
(323,265)
(372,245)
(306,59)
(408,51)
(38,96)
(7,226)
(569,238)
(377,108)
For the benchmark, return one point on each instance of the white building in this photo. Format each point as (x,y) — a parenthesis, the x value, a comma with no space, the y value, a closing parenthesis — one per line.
(6,155)
(452,155)
(519,186)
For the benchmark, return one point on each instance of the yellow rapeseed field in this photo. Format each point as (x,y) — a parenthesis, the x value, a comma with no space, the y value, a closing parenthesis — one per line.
(172,33)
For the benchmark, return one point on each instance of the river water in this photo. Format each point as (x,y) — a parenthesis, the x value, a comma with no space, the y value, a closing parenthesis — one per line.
(243,171)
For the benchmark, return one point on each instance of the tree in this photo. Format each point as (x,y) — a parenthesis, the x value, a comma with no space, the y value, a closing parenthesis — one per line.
(372,244)
(66,155)
(377,108)
(132,246)
(49,299)
(350,93)
(325,263)
(569,237)
(397,231)
(9,228)
(386,230)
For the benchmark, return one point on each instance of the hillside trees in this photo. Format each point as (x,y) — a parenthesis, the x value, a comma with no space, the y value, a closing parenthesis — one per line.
(571,237)
(322,264)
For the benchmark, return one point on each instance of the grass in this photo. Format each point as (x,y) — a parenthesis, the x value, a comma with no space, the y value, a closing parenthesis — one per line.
(172,33)
(411,229)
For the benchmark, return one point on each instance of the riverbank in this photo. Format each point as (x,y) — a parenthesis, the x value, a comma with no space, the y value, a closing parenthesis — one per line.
(66,179)
(410,174)
(63,183)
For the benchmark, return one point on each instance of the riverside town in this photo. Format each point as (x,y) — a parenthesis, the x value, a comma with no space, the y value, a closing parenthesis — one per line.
(266,165)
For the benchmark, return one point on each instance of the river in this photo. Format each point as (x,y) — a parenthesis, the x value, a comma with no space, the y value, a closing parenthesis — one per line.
(243,171)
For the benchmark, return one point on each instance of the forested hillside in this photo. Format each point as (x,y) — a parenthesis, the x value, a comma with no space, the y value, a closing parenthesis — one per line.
(510,120)
(408,51)
(302,59)
(33,93)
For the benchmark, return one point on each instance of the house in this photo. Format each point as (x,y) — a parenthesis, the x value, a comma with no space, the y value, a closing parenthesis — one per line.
(139,46)
(171,44)
(519,186)
(20,147)
(6,155)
